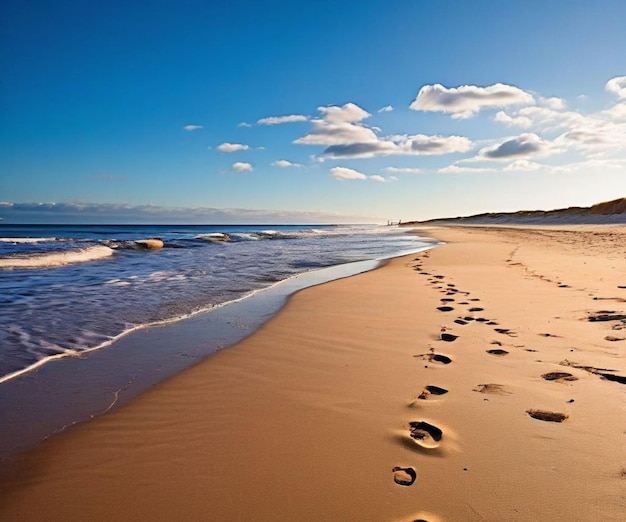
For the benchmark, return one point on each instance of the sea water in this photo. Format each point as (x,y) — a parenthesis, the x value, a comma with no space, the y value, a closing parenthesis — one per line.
(68,289)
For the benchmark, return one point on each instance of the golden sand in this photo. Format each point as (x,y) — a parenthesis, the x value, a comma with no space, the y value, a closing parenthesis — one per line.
(483,380)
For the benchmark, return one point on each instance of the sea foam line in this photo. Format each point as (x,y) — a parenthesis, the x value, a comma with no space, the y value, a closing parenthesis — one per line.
(58,258)
(79,353)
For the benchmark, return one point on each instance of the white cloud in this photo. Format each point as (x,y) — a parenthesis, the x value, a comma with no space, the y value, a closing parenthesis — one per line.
(617,86)
(345,173)
(455,169)
(386,108)
(278,120)
(341,130)
(285,164)
(547,119)
(617,112)
(554,103)
(378,178)
(404,170)
(519,121)
(339,125)
(467,100)
(242,166)
(192,127)
(595,136)
(527,144)
(348,113)
(402,145)
(244,124)
(523,164)
(232,147)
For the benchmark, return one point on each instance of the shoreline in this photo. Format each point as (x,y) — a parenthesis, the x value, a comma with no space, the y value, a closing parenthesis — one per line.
(309,417)
(61,391)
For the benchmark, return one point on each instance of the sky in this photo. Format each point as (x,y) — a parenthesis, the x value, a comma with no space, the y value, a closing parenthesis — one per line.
(308,112)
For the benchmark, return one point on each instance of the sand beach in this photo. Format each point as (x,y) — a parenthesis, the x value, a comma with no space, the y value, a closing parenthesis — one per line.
(480,380)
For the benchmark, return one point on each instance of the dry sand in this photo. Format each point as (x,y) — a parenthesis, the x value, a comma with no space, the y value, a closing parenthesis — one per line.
(308,418)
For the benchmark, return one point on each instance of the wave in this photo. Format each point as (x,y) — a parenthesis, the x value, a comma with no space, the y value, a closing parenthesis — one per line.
(214,236)
(136,244)
(82,255)
(18,240)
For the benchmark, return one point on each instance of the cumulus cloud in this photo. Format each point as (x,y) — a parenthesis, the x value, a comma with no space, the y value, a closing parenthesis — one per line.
(456,169)
(522,164)
(232,147)
(346,173)
(416,145)
(467,100)
(285,164)
(342,131)
(617,112)
(554,103)
(278,120)
(244,124)
(404,170)
(339,125)
(617,86)
(518,121)
(192,127)
(548,119)
(595,136)
(527,144)
(242,166)
(386,108)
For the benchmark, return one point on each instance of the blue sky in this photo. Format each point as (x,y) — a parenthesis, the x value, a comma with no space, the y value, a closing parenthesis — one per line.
(308,112)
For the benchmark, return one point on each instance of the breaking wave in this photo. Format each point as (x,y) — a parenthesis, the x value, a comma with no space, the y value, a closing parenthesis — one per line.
(52,259)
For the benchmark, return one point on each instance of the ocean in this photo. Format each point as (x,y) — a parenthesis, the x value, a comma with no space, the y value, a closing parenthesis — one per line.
(69,289)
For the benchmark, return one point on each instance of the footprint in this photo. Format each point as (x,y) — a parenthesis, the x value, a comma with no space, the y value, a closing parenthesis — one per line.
(436,357)
(559,376)
(425,435)
(497,351)
(476,309)
(431,390)
(447,300)
(404,476)
(482,320)
(460,321)
(548,416)
(445,308)
(495,389)
(505,331)
(615,378)
(448,337)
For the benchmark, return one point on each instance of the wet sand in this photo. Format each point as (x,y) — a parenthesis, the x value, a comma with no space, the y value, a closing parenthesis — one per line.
(482,380)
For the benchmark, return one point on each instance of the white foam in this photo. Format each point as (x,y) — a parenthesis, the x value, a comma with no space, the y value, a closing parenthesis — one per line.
(82,255)
(215,236)
(19,240)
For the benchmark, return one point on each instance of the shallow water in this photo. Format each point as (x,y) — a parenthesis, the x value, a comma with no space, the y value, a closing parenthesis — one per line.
(68,289)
